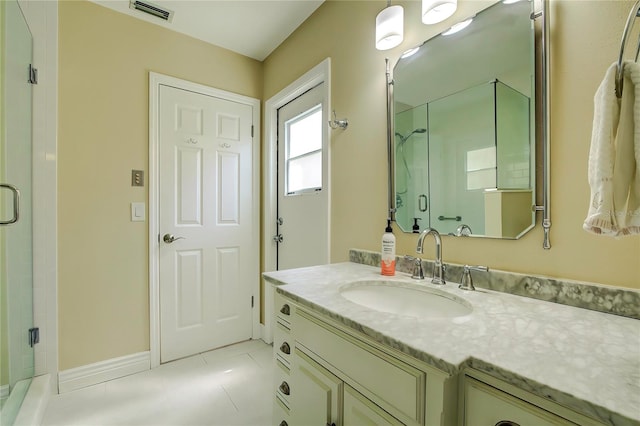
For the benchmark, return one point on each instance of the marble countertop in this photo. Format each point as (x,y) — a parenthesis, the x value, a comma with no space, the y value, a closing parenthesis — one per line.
(585,360)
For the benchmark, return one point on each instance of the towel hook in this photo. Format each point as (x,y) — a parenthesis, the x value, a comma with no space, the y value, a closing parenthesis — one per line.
(341,124)
(635,12)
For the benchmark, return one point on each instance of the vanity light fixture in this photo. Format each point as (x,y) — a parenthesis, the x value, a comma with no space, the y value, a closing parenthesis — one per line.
(434,11)
(389,27)
(458,27)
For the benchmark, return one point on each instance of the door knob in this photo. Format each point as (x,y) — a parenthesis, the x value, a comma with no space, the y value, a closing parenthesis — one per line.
(168,238)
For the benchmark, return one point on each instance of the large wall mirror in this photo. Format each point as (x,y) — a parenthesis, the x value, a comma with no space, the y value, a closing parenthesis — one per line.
(464,124)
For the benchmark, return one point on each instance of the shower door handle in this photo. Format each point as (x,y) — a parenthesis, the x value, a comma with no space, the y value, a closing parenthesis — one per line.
(422,203)
(16,204)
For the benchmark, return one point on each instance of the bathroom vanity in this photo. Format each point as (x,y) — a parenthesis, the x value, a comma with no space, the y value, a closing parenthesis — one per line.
(507,360)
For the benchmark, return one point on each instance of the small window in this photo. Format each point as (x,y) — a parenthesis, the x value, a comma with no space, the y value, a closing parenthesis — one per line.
(303,155)
(481,168)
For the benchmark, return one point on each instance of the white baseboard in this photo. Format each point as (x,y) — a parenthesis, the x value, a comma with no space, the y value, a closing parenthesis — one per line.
(266,335)
(92,374)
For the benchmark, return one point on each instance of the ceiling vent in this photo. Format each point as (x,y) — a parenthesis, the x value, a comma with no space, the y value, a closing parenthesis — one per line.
(151,9)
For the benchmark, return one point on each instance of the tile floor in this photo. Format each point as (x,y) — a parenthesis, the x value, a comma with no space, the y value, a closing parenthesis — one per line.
(228,386)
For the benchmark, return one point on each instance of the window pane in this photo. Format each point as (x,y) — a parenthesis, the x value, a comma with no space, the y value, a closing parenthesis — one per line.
(305,173)
(305,132)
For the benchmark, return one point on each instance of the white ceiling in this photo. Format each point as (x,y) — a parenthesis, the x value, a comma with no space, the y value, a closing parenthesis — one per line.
(253,28)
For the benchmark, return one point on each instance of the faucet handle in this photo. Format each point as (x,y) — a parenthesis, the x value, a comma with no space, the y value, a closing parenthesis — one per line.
(467,282)
(418,272)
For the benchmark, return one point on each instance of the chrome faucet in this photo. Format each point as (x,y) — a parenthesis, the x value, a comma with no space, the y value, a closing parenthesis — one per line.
(438,267)
(463,230)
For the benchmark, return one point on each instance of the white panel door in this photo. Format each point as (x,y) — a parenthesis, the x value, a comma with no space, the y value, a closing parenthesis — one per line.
(206,232)
(303,181)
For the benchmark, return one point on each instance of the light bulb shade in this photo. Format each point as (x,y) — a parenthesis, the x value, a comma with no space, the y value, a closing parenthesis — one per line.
(389,27)
(434,11)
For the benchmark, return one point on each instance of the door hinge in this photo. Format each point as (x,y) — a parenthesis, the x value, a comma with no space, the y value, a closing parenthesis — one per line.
(252,301)
(34,336)
(33,75)
(252,130)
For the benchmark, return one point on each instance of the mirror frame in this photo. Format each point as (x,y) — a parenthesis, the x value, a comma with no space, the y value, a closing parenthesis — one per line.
(540,16)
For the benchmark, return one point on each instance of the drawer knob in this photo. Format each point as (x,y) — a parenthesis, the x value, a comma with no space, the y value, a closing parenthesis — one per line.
(284,423)
(286,310)
(284,388)
(285,348)
(506,423)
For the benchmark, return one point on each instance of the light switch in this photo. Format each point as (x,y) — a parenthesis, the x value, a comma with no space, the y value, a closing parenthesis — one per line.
(137,212)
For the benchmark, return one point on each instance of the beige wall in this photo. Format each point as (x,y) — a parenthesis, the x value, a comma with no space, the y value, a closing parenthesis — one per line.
(585,39)
(105,58)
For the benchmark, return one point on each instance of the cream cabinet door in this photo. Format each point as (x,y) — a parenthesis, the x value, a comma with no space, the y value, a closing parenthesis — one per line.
(359,411)
(315,393)
(488,406)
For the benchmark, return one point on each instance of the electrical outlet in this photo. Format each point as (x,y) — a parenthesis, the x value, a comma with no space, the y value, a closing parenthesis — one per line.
(137,178)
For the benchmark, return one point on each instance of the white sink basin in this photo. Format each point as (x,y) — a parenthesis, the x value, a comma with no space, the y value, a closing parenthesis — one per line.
(405,299)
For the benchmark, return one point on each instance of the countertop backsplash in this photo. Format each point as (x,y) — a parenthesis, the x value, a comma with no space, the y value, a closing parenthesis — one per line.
(596,297)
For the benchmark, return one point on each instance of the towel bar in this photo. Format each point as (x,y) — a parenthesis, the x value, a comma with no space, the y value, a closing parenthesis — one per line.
(634,13)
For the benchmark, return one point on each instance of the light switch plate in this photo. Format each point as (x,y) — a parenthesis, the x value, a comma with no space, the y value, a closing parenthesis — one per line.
(137,177)
(137,212)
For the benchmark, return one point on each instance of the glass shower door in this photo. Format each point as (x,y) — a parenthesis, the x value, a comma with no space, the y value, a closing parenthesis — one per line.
(16,253)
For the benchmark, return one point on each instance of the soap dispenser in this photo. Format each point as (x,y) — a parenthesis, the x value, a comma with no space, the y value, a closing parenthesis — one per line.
(388,255)
(416,228)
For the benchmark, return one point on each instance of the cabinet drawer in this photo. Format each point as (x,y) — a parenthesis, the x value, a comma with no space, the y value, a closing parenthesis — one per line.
(486,405)
(282,382)
(393,385)
(280,413)
(282,308)
(283,343)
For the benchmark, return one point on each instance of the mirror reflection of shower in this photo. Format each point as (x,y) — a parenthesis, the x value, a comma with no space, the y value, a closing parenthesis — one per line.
(400,148)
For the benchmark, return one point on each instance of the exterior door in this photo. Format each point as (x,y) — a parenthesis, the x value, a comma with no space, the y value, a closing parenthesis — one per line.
(303,182)
(206,232)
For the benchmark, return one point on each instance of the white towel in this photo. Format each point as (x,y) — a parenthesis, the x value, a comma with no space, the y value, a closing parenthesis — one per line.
(626,171)
(614,156)
(600,218)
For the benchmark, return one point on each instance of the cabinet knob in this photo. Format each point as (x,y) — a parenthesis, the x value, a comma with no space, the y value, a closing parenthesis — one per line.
(284,423)
(285,348)
(331,424)
(506,423)
(284,388)
(286,310)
